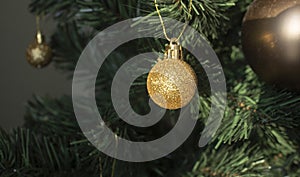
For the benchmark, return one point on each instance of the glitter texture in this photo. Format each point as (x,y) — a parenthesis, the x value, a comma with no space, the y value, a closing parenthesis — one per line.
(38,53)
(171,83)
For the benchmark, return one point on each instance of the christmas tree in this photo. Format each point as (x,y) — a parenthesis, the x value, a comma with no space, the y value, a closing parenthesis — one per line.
(258,135)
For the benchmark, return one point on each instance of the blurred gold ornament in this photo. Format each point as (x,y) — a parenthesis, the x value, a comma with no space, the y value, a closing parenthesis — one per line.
(38,53)
(271,41)
(172,83)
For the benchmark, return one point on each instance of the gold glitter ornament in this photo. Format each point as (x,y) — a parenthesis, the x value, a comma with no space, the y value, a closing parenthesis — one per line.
(172,83)
(38,53)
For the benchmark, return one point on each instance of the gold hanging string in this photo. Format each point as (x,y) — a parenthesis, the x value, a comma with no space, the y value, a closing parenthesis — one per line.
(38,18)
(163,25)
(38,25)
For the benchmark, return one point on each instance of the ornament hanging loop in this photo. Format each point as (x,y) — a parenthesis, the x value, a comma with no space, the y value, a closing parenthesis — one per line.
(163,25)
(173,50)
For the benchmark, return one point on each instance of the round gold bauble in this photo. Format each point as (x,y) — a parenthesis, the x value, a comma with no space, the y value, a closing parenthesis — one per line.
(38,54)
(271,41)
(171,83)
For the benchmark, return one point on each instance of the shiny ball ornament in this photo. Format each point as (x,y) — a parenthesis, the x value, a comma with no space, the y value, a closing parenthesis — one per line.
(38,53)
(172,83)
(271,41)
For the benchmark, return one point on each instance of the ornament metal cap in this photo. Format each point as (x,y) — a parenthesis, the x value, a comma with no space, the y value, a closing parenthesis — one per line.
(173,50)
(39,37)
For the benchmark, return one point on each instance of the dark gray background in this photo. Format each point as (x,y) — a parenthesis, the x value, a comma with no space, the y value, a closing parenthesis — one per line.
(20,81)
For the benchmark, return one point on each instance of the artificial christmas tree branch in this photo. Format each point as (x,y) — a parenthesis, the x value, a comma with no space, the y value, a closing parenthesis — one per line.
(259,134)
